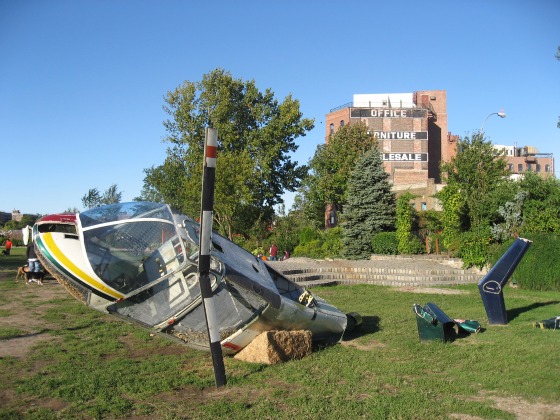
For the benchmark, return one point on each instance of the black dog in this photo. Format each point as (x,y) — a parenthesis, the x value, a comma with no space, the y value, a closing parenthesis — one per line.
(38,276)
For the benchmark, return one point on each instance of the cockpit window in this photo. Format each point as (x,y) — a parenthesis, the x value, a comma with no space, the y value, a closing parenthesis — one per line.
(56,227)
(130,252)
(125,211)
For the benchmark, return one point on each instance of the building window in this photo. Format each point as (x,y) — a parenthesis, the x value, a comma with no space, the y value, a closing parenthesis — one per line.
(342,123)
(510,167)
(424,206)
(538,167)
(519,167)
(547,168)
(332,128)
(529,167)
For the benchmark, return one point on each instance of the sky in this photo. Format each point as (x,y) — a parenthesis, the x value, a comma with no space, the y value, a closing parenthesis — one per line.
(82,82)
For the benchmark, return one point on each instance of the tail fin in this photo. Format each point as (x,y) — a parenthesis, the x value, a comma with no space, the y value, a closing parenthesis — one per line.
(491,286)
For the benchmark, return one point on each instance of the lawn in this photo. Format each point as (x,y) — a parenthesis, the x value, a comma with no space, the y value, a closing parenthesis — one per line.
(63,360)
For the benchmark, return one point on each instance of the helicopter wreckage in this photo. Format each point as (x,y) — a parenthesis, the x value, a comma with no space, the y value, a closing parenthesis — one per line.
(138,261)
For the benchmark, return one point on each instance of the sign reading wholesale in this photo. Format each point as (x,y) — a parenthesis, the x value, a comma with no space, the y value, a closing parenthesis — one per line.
(405,157)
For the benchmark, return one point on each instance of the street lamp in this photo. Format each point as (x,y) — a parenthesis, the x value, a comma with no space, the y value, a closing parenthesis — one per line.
(500,114)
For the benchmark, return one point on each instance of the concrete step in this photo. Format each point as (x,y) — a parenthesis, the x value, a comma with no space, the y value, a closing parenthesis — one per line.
(387,282)
(381,270)
(384,277)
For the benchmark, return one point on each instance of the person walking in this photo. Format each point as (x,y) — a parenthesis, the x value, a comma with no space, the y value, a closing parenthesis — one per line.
(33,264)
(8,246)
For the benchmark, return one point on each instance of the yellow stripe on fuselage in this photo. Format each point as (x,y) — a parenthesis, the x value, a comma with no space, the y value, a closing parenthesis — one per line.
(74,269)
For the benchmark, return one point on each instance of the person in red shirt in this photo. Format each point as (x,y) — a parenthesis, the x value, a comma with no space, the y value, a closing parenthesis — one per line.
(8,246)
(273,252)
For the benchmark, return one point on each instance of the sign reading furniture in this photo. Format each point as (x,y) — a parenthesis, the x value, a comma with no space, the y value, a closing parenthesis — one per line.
(400,135)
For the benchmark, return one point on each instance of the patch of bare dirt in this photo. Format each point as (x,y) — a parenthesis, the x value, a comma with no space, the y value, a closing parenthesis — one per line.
(520,408)
(19,347)
(134,351)
(432,290)
(464,417)
(54,404)
(25,307)
(230,393)
(371,345)
(523,409)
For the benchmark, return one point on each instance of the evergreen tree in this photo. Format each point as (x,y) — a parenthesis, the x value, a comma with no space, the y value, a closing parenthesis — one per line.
(370,205)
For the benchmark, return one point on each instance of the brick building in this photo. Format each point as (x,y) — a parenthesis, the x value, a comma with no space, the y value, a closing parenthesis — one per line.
(413,137)
(521,160)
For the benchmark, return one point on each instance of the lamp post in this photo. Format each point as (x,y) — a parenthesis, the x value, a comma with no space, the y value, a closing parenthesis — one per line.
(500,114)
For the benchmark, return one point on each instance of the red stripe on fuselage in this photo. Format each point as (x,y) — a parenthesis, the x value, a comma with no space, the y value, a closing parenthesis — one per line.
(231,346)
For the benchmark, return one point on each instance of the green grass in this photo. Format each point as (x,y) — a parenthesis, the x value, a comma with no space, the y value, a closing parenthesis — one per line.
(5,312)
(10,332)
(99,367)
(14,260)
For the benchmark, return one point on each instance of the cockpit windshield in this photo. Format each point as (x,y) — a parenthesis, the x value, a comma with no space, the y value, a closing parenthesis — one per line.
(130,245)
(125,211)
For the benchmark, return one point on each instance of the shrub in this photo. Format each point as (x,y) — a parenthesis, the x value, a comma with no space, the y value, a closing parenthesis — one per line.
(540,267)
(332,242)
(284,243)
(327,244)
(474,246)
(415,246)
(308,234)
(385,243)
(435,241)
(407,219)
(312,249)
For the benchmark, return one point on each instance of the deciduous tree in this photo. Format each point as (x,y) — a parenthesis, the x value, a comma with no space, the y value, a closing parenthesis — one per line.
(256,135)
(541,207)
(93,197)
(111,196)
(332,165)
(476,173)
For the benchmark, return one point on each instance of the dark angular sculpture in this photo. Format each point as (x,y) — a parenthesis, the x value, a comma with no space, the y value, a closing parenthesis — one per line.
(434,324)
(492,285)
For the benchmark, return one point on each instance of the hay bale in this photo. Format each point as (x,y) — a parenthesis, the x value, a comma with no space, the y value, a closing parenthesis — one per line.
(272,347)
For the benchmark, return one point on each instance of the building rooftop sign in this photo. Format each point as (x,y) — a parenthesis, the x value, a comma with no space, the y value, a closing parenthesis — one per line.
(405,157)
(388,113)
